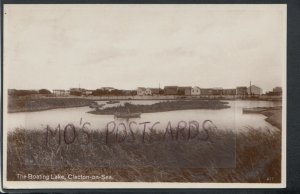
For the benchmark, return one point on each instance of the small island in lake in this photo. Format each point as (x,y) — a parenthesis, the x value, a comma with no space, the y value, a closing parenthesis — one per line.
(163,107)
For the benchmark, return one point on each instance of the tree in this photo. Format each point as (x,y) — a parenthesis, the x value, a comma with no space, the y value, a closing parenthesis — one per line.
(23,92)
(44,91)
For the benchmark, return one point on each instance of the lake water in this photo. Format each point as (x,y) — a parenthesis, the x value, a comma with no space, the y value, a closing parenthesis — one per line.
(231,118)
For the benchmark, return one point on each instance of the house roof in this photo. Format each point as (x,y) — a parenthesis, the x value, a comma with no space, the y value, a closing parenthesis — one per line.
(184,87)
(254,86)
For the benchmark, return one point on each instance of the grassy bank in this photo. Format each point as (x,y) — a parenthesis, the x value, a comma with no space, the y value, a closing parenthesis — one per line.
(16,104)
(164,106)
(274,116)
(257,159)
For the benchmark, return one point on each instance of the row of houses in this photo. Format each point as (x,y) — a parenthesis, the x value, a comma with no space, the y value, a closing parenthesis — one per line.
(141,91)
(73,91)
(277,91)
(97,92)
(197,91)
(170,90)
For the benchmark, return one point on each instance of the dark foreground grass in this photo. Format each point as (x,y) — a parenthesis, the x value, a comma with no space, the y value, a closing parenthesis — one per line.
(225,157)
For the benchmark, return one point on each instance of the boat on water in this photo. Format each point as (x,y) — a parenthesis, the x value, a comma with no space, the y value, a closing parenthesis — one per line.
(127,115)
(112,102)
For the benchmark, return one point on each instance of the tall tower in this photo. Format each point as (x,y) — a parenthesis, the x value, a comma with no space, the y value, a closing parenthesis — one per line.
(250,88)
(158,88)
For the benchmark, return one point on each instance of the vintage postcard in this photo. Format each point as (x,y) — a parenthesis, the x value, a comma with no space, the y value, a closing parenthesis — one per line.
(144,96)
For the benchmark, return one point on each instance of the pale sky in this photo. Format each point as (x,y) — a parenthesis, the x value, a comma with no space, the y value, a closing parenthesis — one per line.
(127,46)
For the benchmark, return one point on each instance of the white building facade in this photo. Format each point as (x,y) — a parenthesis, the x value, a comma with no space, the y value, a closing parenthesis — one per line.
(61,92)
(148,92)
(195,91)
(254,90)
(141,91)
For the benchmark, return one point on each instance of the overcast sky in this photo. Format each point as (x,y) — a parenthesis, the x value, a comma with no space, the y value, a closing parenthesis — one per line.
(126,46)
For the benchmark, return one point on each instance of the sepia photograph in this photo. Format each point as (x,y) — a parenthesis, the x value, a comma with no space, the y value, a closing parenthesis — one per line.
(144,95)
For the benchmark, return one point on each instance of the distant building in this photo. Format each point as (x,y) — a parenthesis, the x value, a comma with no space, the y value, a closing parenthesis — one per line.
(217,91)
(170,90)
(141,91)
(241,90)
(229,92)
(129,92)
(58,92)
(196,91)
(154,91)
(148,92)
(277,89)
(77,91)
(206,91)
(107,89)
(133,92)
(188,91)
(185,90)
(254,90)
(88,92)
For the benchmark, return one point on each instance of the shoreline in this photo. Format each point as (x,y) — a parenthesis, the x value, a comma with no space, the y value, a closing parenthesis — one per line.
(273,114)
(45,109)
(274,117)
(17,105)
